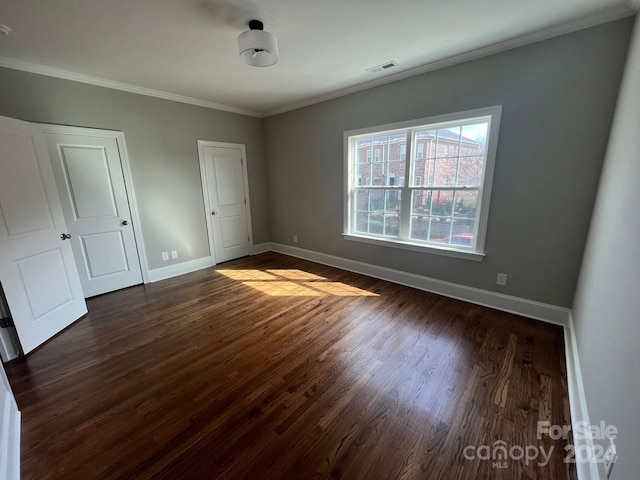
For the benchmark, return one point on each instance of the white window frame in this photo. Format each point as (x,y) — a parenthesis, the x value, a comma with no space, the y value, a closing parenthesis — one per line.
(490,114)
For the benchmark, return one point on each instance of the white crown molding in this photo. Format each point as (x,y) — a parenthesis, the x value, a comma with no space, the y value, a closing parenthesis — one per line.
(606,15)
(597,18)
(125,87)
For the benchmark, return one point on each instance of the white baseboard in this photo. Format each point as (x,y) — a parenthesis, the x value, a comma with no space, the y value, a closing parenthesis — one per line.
(578,401)
(261,248)
(163,273)
(520,306)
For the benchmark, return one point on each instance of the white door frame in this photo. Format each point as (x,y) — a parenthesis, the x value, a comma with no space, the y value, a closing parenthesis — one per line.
(10,430)
(128,180)
(205,190)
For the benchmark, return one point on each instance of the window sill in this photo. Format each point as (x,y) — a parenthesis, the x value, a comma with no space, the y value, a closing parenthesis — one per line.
(416,247)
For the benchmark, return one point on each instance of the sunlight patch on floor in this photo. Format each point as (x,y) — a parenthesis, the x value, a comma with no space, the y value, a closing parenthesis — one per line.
(342,289)
(247,275)
(283,289)
(293,283)
(296,275)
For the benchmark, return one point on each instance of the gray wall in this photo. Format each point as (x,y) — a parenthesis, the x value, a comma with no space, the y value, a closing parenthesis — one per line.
(607,304)
(161,141)
(558,98)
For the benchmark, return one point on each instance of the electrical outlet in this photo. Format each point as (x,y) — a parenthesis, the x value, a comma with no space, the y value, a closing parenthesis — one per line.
(295,239)
(174,254)
(610,457)
(165,256)
(502,279)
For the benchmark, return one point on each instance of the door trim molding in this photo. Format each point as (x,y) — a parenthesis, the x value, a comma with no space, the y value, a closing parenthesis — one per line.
(205,193)
(128,181)
(10,430)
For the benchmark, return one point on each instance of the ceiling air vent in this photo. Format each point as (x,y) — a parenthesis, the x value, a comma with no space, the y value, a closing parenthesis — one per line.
(381,68)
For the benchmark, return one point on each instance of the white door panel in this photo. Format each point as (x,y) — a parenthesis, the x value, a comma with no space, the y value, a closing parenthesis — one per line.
(25,206)
(232,231)
(88,181)
(104,253)
(226,197)
(40,273)
(226,179)
(88,172)
(37,269)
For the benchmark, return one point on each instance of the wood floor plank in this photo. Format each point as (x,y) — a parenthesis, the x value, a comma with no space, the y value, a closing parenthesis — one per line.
(272,367)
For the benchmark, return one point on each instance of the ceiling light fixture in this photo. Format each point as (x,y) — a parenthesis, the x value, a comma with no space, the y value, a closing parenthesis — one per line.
(257,47)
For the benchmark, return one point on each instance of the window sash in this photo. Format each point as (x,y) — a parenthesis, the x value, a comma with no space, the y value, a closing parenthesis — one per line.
(490,116)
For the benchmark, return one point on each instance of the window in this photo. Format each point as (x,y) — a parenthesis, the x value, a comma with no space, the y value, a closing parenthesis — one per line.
(443,208)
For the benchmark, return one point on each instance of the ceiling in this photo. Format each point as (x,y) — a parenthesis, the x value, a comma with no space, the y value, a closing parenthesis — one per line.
(187,50)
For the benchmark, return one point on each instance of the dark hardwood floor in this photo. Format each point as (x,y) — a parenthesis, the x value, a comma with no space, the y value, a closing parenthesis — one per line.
(273,367)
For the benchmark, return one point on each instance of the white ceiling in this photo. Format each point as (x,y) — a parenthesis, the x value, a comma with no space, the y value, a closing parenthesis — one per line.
(188,48)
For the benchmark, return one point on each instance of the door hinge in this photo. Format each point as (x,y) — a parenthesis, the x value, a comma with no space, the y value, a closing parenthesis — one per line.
(6,322)
(241,161)
(245,201)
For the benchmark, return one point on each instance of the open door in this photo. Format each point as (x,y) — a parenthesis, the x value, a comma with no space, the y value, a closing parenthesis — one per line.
(37,269)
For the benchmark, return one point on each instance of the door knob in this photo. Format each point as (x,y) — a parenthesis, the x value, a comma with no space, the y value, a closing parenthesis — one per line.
(65,236)
(214,213)
(125,223)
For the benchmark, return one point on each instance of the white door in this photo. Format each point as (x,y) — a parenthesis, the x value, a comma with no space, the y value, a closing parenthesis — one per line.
(9,431)
(37,270)
(88,173)
(226,197)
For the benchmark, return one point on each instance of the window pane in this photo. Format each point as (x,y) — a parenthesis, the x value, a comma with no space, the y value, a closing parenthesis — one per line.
(442,201)
(362,201)
(363,151)
(377,212)
(428,139)
(362,222)
(470,171)
(420,205)
(431,214)
(474,138)
(397,147)
(445,171)
(419,172)
(448,141)
(397,155)
(363,174)
(466,206)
